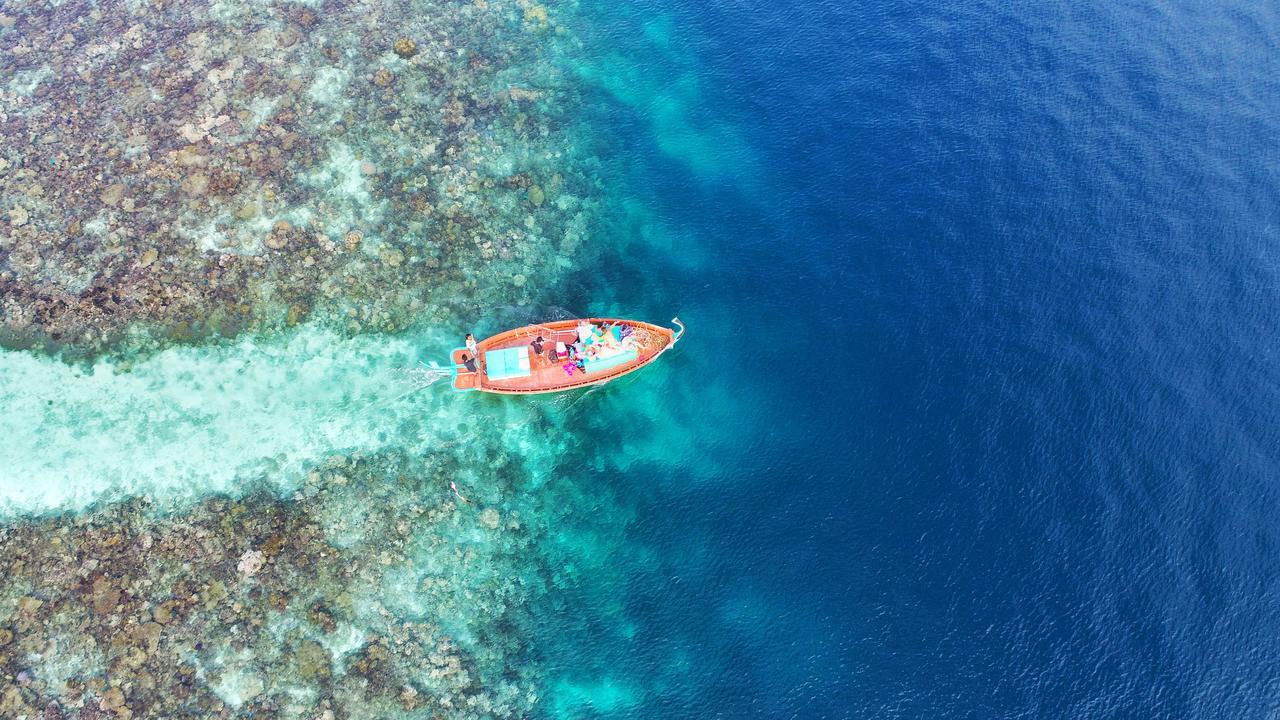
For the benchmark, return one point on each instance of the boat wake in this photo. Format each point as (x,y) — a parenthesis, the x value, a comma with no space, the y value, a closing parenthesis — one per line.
(194,421)
(422,376)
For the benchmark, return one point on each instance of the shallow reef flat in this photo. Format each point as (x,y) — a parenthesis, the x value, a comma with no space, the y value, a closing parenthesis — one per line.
(372,592)
(184,171)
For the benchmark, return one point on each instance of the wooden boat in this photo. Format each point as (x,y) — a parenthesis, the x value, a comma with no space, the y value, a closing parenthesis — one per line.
(509,363)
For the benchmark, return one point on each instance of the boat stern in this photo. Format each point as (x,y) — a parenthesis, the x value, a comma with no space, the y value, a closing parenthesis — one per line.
(464,379)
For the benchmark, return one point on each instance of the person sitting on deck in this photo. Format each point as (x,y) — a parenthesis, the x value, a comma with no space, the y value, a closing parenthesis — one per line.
(584,331)
(471,345)
(536,345)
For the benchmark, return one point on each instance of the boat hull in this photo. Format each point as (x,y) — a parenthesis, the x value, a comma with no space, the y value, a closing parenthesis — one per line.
(548,375)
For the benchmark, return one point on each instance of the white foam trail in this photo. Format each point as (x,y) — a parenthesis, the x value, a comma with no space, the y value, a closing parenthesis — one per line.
(191,421)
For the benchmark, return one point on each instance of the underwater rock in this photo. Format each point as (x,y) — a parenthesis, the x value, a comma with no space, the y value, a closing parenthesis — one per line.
(28,605)
(112,700)
(536,196)
(214,592)
(520,94)
(195,184)
(320,616)
(251,562)
(18,216)
(104,596)
(277,240)
(535,15)
(112,194)
(392,257)
(410,698)
(12,703)
(405,47)
(383,77)
(313,661)
(288,37)
(166,612)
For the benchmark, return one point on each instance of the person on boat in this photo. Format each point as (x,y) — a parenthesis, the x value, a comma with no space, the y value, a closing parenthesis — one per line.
(469,362)
(537,345)
(580,354)
(471,345)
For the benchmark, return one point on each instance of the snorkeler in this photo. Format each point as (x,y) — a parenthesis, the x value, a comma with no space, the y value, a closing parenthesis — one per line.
(454,487)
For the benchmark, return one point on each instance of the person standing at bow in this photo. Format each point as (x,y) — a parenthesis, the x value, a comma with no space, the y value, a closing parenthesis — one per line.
(473,349)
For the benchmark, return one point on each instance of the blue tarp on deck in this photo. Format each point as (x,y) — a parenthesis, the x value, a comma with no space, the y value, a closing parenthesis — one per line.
(506,363)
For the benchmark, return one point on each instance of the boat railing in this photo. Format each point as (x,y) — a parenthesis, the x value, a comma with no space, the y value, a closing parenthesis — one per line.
(528,330)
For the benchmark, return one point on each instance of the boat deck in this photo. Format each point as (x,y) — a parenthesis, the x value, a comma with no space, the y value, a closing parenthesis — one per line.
(546,374)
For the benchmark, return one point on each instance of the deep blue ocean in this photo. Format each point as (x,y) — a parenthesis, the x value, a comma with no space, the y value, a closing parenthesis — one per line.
(977,414)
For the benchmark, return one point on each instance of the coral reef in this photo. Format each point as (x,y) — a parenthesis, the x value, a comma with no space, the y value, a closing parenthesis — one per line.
(186,171)
(358,597)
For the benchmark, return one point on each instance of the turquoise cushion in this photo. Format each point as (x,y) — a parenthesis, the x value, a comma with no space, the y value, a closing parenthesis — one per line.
(611,361)
(506,363)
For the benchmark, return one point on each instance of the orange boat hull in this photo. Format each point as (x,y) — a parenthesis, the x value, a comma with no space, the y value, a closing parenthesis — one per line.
(547,374)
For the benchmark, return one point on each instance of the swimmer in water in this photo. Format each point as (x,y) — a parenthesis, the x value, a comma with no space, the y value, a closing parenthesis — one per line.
(454,487)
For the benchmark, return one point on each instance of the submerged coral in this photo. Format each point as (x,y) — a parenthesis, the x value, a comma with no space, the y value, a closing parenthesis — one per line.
(359,597)
(198,170)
